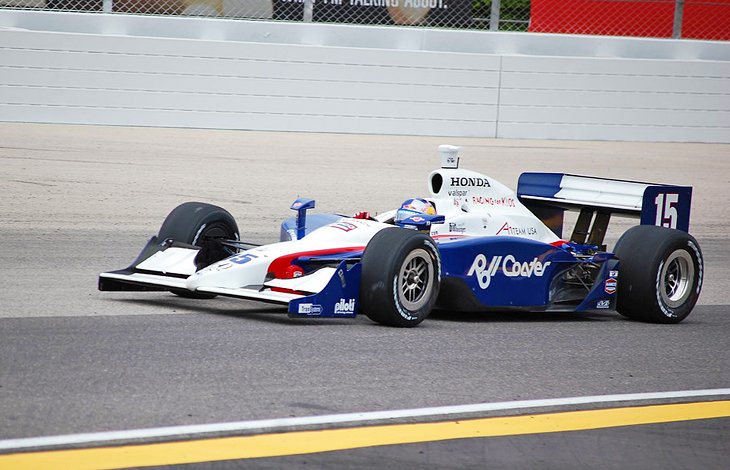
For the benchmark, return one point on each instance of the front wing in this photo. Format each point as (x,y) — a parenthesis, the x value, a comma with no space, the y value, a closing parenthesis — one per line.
(326,292)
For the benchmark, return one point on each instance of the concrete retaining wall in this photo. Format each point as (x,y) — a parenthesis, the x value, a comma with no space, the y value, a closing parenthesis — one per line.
(203,73)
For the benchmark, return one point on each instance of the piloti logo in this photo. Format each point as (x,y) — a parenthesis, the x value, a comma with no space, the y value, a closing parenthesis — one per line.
(345,306)
(508,264)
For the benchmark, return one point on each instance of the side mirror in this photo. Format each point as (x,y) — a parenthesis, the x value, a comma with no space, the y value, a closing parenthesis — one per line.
(301,205)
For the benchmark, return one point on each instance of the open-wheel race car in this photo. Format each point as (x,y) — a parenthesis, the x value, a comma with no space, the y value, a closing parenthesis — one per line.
(472,244)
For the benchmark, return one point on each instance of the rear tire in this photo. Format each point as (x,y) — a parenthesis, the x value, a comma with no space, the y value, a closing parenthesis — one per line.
(660,274)
(401,276)
(197,224)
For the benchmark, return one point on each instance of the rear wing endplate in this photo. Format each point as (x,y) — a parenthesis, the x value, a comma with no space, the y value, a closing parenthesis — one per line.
(654,204)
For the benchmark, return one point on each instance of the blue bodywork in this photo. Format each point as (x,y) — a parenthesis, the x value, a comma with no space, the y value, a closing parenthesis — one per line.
(290,230)
(478,273)
(340,298)
(499,273)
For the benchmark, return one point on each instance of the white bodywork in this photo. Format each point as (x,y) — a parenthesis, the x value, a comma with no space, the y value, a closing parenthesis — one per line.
(582,191)
(473,205)
(476,205)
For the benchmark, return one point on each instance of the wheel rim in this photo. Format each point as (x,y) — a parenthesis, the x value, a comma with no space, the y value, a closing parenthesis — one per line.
(415,280)
(213,230)
(677,277)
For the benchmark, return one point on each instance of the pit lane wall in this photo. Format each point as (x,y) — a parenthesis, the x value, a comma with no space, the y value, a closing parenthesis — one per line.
(58,67)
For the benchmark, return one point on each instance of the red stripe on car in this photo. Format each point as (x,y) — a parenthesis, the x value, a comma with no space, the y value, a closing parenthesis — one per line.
(280,266)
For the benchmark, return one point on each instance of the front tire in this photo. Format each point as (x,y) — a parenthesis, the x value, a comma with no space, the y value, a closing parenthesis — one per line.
(199,224)
(194,222)
(401,276)
(661,274)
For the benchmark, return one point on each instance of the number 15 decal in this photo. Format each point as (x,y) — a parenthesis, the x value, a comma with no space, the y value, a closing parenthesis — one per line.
(666,210)
(666,206)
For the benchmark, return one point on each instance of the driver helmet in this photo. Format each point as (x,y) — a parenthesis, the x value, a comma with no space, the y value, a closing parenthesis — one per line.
(413,207)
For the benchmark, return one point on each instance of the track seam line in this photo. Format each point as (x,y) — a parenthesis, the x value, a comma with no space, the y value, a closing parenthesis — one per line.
(268,424)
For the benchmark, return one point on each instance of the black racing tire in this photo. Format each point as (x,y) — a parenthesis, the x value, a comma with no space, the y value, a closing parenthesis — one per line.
(192,222)
(195,223)
(401,277)
(660,274)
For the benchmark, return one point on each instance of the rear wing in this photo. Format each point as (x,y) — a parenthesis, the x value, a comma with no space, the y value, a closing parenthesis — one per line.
(548,195)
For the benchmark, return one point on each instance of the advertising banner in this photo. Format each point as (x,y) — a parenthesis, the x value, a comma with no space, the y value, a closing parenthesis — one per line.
(700,19)
(453,13)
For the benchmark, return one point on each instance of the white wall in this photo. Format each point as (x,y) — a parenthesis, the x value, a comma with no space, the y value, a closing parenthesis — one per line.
(190,72)
(615,99)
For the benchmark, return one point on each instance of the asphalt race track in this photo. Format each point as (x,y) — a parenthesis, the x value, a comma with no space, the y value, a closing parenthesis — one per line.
(78,200)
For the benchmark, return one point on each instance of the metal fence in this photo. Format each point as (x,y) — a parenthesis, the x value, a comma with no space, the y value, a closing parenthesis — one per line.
(696,19)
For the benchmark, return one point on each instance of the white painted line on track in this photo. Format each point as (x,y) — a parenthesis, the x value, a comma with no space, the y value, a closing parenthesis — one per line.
(267,424)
